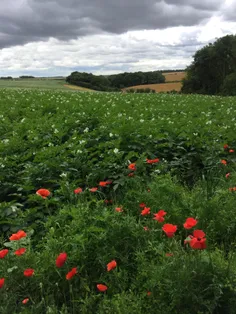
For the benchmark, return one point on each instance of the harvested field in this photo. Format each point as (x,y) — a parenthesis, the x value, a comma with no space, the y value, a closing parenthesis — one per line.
(165,87)
(174,76)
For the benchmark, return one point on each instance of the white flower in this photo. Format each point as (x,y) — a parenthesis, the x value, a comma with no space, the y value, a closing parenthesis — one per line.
(116,150)
(63,175)
(141,120)
(110,134)
(86,130)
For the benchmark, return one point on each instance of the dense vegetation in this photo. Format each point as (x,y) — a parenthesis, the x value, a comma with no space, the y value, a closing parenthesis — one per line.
(107,163)
(213,70)
(6,78)
(26,77)
(114,82)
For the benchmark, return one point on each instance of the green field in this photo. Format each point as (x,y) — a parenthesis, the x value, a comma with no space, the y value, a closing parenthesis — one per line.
(168,152)
(40,83)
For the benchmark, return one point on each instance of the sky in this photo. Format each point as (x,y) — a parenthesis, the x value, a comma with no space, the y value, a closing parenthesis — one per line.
(57,37)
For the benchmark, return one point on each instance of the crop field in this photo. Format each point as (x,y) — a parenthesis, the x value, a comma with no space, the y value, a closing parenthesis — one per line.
(174,76)
(117,203)
(173,82)
(164,87)
(41,84)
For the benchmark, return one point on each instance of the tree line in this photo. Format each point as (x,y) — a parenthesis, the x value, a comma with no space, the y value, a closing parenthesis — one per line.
(213,70)
(20,77)
(114,82)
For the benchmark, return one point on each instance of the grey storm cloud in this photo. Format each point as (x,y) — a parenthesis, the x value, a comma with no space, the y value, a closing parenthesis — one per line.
(24,21)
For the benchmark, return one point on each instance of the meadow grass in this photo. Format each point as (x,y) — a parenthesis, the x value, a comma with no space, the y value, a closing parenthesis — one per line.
(41,84)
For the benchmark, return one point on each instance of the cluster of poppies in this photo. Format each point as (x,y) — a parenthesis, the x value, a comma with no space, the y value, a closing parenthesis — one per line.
(229,150)
(44,193)
(27,272)
(224,162)
(60,261)
(196,241)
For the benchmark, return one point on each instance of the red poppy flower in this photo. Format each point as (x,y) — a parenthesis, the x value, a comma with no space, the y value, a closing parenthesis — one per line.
(226,146)
(169,230)
(28,272)
(102,287)
(149,293)
(25,301)
(132,166)
(61,259)
(17,236)
(146,228)
(232,189)
(146,211)
(119,209)
(231,151)
(198,241)
(2,280)
(152,161)
(44,193)
(190,223)
(169,254)
(142,205)
(227,175)
(3,253)
(224,162)
(78,191)
(111,265)
(71,273)
(104,183)
(131,174)
(93,189)
(20,251)
(160,215)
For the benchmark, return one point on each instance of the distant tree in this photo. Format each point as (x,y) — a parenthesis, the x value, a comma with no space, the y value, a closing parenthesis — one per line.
(211,65)
(136,78)
(114,82)
(6,78)
(26,77)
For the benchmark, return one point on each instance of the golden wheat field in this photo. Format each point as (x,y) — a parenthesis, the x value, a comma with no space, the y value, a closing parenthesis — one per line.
(165,87)
(173,82)
(174,76)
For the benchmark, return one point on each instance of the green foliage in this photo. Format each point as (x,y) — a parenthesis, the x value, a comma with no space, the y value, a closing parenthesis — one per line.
(92,235)
(211,65)
(61,141)
(229,85)
(137,78)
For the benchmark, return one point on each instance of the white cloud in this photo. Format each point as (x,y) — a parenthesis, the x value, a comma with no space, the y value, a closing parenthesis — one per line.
(105,53)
